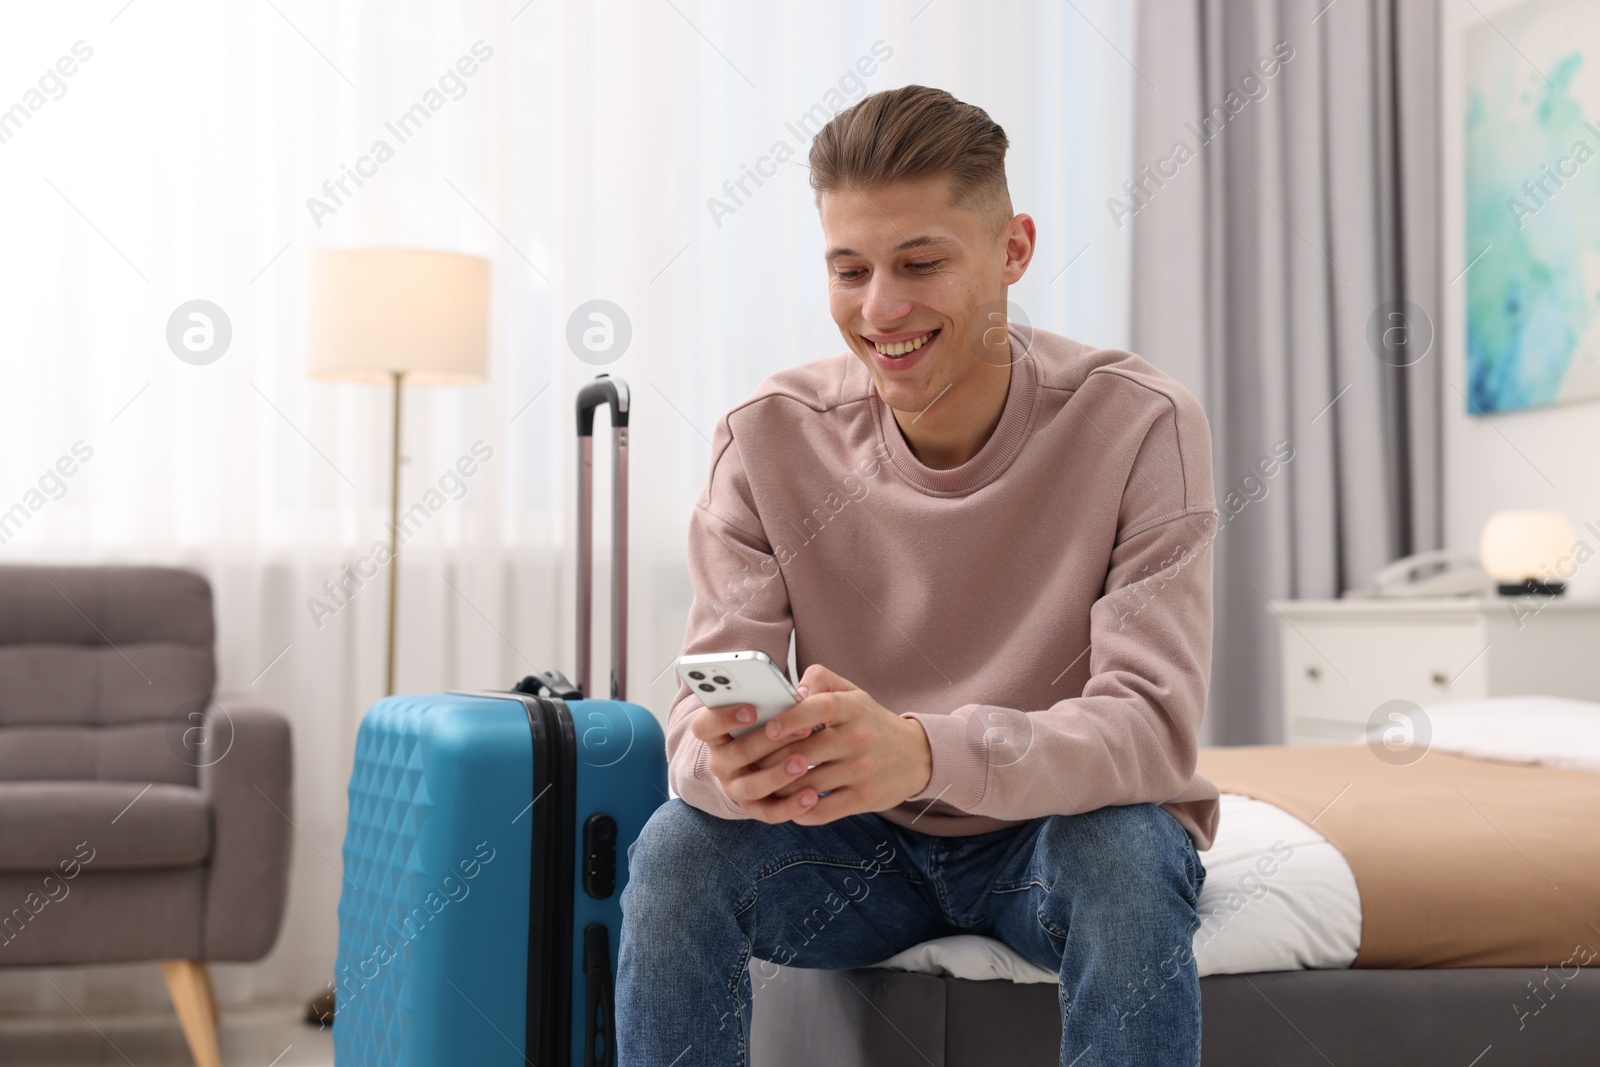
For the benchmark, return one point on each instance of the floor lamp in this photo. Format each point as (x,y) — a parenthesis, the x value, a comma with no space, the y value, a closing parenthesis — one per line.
(399,316)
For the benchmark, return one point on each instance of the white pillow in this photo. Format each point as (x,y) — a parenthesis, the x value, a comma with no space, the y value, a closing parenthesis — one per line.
(1549,731)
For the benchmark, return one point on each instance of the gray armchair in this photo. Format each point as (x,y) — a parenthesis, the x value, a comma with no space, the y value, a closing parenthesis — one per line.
(141,816)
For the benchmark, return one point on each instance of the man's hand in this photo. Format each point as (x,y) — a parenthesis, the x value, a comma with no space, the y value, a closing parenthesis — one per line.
(867,759)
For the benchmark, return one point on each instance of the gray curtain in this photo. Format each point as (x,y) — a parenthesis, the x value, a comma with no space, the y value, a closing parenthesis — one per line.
(1290,263)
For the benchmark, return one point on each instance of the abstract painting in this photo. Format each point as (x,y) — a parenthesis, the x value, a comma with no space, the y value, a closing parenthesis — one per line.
(1532,254)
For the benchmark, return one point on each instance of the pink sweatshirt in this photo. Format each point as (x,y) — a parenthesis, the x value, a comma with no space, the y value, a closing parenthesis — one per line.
(1043,610)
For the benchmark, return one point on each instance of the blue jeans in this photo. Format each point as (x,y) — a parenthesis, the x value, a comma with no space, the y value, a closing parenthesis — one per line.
(1106,899)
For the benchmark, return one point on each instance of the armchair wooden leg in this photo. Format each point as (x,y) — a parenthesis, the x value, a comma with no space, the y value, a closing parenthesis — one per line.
(211,997)
(189,983)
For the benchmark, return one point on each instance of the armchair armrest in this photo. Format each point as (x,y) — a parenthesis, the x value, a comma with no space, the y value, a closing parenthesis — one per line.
(246,770)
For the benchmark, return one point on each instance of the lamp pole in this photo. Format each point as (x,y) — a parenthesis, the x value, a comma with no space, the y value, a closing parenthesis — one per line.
(394,535)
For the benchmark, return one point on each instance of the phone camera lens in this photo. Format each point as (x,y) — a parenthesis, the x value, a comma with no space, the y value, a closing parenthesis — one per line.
(707,687)
(720,680)
(697,675)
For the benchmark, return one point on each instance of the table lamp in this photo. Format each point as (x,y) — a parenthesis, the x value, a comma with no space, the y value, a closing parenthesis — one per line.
(400,316)
(1523,551)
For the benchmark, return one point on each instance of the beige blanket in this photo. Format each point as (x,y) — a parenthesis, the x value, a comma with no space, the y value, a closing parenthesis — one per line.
(1460,862)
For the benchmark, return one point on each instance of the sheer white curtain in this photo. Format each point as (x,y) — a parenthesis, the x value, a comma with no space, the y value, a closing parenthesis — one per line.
(581,155)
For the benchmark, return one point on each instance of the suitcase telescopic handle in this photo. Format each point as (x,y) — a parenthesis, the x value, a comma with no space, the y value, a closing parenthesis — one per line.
(612,393)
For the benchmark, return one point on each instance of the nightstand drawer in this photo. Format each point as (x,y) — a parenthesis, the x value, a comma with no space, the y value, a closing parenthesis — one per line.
(1340,672)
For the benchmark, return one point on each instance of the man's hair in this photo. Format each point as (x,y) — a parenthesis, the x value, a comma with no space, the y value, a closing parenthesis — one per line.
(910,134)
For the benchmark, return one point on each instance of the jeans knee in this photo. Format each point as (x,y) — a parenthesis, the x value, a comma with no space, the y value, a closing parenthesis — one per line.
(666,842)
(679,859)
(1130,859)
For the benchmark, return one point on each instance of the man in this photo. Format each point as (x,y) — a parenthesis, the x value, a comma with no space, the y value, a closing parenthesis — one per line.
(993,547)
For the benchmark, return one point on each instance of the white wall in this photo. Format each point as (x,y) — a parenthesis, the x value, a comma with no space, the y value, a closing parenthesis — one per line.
(1537,458)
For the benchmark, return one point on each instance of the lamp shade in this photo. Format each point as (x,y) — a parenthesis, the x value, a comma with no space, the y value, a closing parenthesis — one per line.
(1519,545)
(375,312)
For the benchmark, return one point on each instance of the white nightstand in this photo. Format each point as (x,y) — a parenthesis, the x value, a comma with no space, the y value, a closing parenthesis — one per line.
(1343,658)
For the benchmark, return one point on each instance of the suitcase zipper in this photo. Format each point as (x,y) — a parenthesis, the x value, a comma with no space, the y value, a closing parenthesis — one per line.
(549,1012)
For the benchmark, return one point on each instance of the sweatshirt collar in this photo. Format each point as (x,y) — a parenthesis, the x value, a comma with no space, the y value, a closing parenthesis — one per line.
(997,452)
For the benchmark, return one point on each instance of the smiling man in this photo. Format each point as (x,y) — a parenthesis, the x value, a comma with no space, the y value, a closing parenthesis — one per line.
(1005,638)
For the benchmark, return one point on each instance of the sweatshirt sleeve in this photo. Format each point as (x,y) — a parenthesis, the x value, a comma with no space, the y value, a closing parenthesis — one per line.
(740,602)
(1132,735)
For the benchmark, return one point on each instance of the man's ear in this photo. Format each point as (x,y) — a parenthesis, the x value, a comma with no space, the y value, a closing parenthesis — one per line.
(1019,247)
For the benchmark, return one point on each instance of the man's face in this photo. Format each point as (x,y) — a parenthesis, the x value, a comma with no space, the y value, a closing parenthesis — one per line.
(906,265)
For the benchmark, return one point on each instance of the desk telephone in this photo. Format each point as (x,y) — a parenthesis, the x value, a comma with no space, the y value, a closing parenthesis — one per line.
(1429,574)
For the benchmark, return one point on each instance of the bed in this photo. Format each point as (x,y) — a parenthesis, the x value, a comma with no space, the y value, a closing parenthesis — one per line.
(1459,923)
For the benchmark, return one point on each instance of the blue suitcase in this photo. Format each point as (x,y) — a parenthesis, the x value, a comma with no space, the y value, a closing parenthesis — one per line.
(486,849)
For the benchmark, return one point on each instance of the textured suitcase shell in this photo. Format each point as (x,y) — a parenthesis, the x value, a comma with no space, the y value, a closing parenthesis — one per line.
(439,868)
(450,885)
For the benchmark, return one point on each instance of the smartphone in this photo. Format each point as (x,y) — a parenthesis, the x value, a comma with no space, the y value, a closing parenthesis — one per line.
(723,678)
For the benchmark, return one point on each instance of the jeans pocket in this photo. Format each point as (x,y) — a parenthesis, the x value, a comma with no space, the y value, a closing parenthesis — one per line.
(1039,894)
(1056,939)
(1058,943)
